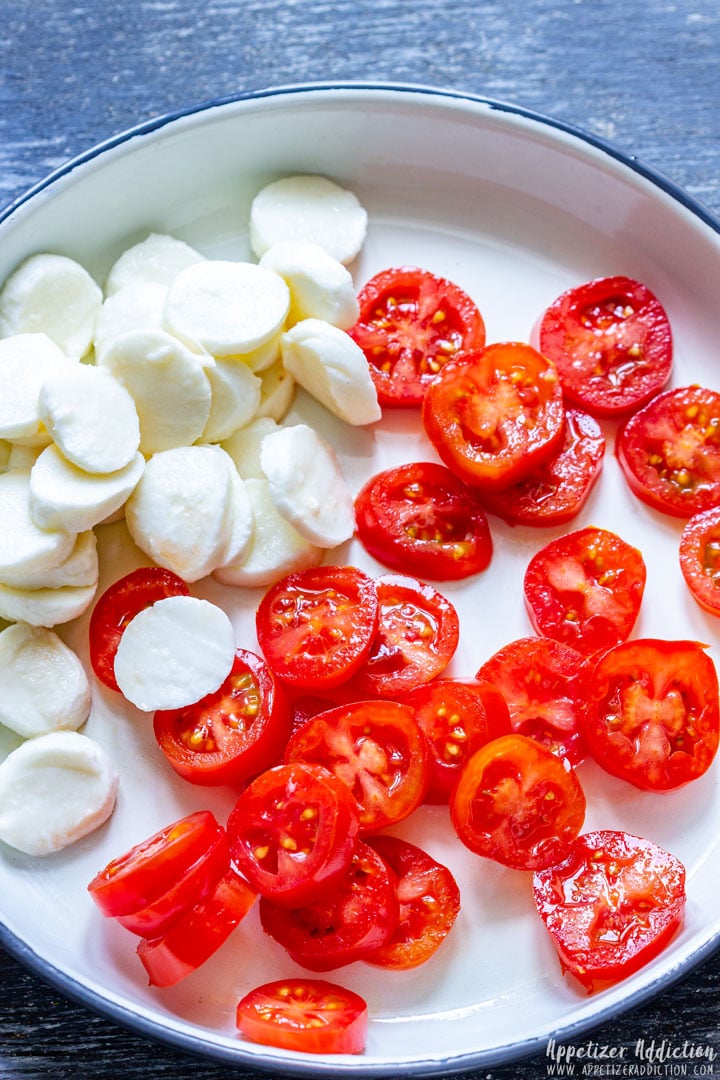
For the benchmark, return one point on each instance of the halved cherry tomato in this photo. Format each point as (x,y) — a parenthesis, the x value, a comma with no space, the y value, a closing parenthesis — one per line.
(700,558)
(428,899)
(585,589)
(315,627)
(557,490)
(518,803)
(292,832)
(542,682)
(495,415)
(232,734)
(611,906)
(120,603)
(377,749)
(669,451)
(652,714)
(420,519)
(411,323)
(611,342)
(312,1016)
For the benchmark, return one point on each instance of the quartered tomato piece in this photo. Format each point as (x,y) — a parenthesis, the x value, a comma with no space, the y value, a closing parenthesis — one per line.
(611,905)
(411,323)
(652,714)
(518,803)
(495,415)
(700,558)
(611,342)
(670,451)
(585,589)
(312,1016)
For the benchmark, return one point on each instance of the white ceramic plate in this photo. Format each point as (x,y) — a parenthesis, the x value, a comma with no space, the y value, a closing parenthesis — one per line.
(515,208)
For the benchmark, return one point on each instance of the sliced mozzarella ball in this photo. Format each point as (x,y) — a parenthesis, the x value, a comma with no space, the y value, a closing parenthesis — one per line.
(45,607)
(157,260)
(22,458)
(235,399)
(6,449)
(226,308)
(137,306)
(91,417)
(174,653)
(307,485)
(264,356)
(24,547)
(308,207)
(54,295)
(61,495)
(244,447)
(54,790)
(276,547)
(45,687)
(168,383)
(333,368)
(26,360)
(320,286)
(80,569)
(242,523)
(276,392)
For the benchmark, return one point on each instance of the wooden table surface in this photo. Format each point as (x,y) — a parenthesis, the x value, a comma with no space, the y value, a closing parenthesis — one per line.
(644,75)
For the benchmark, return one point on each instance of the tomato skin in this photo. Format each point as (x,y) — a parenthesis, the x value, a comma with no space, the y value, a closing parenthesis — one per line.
(625,900)
(699,555)
(411,323)
(495,415)
(611,342)
(517,803)
(653,715)
(312,1016)
(420,519)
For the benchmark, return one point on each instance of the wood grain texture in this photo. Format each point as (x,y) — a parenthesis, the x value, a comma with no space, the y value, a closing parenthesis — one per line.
(644,74)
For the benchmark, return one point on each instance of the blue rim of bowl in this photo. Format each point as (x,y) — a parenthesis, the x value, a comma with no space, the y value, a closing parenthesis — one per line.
(188,1042)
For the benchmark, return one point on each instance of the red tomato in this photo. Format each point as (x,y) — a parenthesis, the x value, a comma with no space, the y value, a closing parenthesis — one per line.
(518,803)
(316,626)
(700,558)
(585,589)
(410,324)
(429,902)
(495,415)
(232,734)
(312,1016)
(377,749)
(420,519)
(120,603)
(611,342)
(292,832)
(652,714)
(670,451)
(556,491)
(542,681)
(348,924)
(611,906)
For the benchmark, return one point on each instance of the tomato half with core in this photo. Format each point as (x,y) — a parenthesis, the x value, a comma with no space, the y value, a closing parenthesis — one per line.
(700,558)
(313,1016)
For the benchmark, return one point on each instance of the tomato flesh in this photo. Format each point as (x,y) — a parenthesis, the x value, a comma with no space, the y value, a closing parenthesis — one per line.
(313,1016)
(700,558)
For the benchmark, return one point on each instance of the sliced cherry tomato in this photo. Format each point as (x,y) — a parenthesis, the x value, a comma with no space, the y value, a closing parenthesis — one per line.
(428,899)
(312,1016)
(585,589)
(457,718)
(377,749)
(315,627)
(348,924)
(700,558)
(495,415)
(232,734)
(670,451)
(543,684)
(120,603)
(652,714)
(518,803)
(292,832)
(611,342)
(611,906)
(410,324)
(420,519)
(556,491)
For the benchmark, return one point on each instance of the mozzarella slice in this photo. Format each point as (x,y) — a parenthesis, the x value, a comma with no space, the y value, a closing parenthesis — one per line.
(61,495)
(320,286)
(244,446)
(308,207)
(307,485)
(45,687)
(174,653)
(54,295)
(137,306)
(54,790)
(235,399)
(79,569)
(242,523)
(264,356)
(6,449)
(277,392)
(22,458)
(156,260)
(26,360)
(45,607)
(24,547)
(226,308)
(333,368)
